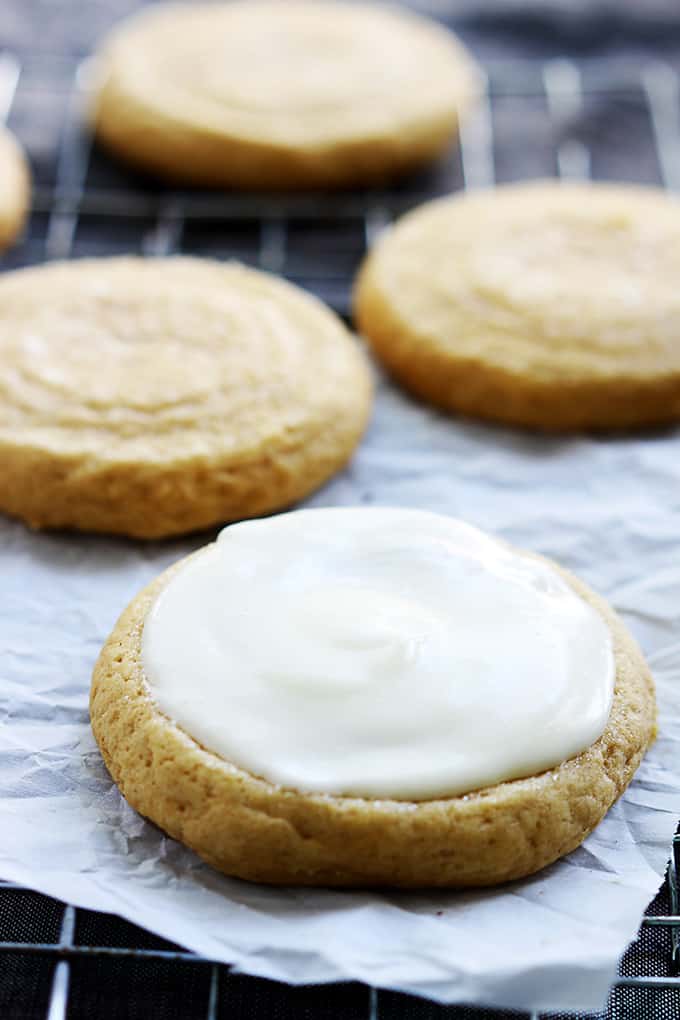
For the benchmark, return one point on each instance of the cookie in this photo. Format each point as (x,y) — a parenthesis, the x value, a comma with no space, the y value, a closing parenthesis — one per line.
(151,397)
(552,306)
(261,94)
(14,189)
(251,821)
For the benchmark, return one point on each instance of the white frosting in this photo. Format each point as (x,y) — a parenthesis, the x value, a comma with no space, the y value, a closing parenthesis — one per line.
(378,652)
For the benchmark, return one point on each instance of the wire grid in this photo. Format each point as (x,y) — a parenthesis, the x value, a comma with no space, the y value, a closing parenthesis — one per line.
(84,205)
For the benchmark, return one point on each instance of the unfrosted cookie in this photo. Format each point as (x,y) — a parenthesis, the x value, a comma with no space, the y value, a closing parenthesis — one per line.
(549,305)
(262,94)
(322,651)
(14,188)
(154,397)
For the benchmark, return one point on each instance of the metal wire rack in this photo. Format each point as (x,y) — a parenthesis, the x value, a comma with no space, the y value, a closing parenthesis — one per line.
(59,962)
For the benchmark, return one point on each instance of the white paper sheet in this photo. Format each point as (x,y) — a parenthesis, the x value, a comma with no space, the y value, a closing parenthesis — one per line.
(607,508)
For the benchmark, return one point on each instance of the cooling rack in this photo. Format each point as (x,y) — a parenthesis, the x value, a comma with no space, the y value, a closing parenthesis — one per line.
(561,118)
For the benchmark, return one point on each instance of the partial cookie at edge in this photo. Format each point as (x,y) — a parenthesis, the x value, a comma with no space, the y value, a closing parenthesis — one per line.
(15,189)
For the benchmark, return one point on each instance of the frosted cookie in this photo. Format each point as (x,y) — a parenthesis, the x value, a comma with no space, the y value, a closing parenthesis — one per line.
(15,189)
(263,94)
(352,697)
(154,397)
(549,305)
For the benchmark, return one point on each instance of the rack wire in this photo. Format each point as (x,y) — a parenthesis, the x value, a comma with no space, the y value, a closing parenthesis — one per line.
(84,204)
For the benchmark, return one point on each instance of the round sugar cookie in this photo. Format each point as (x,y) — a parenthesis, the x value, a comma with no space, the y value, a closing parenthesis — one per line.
(553,306)
(262,94)
(152,397)
(246,822)
(15,188)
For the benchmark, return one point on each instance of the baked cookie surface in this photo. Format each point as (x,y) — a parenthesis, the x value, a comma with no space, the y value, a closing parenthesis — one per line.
(151,397)
(252,828)
(15,188)
(547,305)
(261,94)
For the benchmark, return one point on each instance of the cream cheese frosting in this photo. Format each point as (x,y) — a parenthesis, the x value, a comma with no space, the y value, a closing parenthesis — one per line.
(378,652)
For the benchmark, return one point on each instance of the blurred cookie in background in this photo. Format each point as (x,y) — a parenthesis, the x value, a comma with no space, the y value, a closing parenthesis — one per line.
(553,306)
(260,94)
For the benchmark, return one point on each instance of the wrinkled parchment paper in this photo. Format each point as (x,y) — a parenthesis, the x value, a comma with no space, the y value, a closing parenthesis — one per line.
(608,508)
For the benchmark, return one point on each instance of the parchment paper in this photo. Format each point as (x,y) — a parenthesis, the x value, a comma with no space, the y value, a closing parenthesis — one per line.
(608,508)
